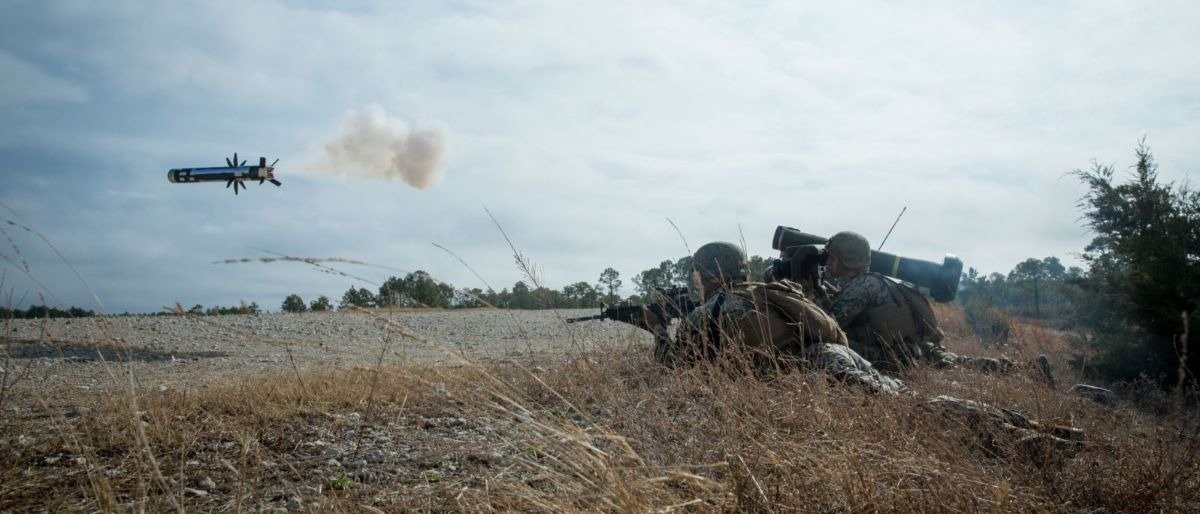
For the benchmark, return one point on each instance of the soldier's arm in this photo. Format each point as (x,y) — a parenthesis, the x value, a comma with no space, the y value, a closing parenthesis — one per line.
(691,341)
(849,303)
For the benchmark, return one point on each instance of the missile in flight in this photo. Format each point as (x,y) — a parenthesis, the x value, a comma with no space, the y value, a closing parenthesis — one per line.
(232,174)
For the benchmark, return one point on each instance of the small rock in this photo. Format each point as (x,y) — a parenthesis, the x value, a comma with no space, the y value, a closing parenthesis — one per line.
(192,463)
(375,456)
(1096,394)
(207,484)
(333,463)
(294,503)
(309,490)
(360,463)
(188,491)
(368,476)
(331,453)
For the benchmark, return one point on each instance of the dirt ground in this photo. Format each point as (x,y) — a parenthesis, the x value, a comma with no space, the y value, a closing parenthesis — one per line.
(97,354)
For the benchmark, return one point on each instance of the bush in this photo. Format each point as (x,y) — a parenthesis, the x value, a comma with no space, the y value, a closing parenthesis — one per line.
(293,303)
(988,323)
(1144,277)
(322,303)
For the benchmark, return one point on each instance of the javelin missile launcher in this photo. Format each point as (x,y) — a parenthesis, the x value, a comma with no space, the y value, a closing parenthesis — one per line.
(799,256)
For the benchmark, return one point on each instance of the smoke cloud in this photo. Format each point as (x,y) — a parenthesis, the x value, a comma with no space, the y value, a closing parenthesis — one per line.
(374,145)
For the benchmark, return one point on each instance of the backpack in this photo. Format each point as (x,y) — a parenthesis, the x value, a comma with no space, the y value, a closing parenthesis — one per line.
(909,318)
(784,305)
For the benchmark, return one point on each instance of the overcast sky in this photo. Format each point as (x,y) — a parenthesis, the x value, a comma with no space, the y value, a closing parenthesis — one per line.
(582,126)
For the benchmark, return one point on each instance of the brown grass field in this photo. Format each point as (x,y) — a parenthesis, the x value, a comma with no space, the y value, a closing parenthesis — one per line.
(597,429)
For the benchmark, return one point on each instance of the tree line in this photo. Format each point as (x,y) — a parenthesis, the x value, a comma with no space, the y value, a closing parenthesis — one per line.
(43,311)
(1134,308)
(420,290)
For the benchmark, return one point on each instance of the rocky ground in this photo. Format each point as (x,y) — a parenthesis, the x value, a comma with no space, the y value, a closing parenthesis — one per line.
(174,350)
(58,372)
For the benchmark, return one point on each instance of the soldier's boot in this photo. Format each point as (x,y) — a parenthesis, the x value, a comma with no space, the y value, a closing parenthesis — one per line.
(1040,441)
(1067,433)
(987,364)
(939,357)
(1036,445)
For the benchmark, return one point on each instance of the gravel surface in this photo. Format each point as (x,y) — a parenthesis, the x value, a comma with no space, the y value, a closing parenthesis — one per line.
(174,350)
(56,372)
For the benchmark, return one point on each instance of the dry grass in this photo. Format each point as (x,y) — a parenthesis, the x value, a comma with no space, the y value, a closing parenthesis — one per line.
(592,432)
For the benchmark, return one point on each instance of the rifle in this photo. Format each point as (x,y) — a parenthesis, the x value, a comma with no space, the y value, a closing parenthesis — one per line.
(673,302)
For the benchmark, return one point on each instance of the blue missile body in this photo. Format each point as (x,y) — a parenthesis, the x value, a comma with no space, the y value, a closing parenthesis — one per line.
(234,173)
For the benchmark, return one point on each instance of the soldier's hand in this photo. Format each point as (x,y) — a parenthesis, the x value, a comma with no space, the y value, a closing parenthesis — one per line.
(649,321)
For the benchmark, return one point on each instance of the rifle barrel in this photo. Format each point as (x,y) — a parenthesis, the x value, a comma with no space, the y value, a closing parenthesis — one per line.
(585,318)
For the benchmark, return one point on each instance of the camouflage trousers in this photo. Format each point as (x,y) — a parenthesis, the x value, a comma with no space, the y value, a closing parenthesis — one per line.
(896,357)
(844,365)
(1005,429)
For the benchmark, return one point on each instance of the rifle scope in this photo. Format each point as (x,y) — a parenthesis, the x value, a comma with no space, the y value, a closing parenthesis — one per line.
(941,279)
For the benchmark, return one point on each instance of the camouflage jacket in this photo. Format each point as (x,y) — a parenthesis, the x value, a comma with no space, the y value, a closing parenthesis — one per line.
(857,296)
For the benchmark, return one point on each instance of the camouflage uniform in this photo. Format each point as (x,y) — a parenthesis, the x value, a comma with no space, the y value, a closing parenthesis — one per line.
(777,324)
(866,291)
(999,429)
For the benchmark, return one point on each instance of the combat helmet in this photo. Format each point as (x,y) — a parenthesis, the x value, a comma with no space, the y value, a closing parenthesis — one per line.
(851,248)
(721,261)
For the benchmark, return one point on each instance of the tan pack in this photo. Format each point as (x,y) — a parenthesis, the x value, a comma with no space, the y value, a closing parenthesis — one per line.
(790,319)
(909,318)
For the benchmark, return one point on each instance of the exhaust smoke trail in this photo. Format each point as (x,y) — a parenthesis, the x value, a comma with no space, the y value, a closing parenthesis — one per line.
(371,144)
